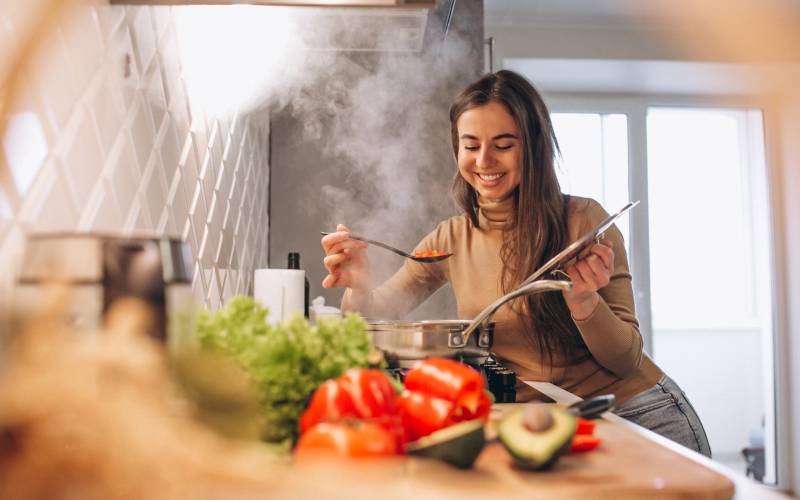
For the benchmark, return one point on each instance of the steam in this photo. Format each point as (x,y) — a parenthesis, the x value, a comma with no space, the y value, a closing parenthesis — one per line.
(381,118)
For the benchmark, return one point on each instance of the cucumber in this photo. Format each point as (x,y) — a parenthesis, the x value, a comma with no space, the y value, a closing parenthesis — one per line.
(458,445)
(537,450)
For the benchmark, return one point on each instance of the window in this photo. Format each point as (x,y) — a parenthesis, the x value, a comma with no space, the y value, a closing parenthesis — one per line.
(594,158)
(701,211)
(710,272)
(700,258)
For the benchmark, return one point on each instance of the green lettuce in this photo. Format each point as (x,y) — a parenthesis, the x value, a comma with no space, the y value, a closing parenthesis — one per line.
(286,362)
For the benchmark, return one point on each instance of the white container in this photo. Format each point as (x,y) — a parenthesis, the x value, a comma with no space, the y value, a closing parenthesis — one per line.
(282,291)
(319,310)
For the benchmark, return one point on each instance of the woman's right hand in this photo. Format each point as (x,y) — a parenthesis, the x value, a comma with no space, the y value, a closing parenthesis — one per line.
(346,261)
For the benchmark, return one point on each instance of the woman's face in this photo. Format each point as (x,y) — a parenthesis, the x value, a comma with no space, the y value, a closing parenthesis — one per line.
(489,150)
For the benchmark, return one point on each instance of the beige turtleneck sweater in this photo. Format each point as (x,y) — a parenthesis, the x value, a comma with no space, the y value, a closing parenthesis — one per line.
(613,360)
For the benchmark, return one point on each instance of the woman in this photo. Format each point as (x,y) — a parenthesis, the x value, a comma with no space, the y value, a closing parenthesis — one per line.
(515,218)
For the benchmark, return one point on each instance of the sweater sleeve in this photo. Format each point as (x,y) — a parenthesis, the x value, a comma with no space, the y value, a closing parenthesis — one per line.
(611,332)
(411,285)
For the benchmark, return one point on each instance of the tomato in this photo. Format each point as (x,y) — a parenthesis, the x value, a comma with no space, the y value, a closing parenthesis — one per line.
(584,442)
(349,438)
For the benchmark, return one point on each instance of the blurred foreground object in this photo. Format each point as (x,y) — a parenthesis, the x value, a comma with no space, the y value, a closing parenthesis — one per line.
(100,270)
(96,416)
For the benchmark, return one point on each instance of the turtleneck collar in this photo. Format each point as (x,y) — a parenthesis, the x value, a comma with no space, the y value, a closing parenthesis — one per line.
(494,214)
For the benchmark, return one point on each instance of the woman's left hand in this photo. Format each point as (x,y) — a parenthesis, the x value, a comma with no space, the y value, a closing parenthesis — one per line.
(589,274)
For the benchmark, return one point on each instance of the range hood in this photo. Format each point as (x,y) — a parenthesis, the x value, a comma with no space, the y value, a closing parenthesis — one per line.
(407,4)
(339,25)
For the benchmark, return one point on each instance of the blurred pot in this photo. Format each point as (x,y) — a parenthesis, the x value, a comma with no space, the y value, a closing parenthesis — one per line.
(100,271)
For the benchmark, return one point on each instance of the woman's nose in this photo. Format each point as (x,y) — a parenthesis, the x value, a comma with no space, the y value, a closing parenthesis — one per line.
(484,158)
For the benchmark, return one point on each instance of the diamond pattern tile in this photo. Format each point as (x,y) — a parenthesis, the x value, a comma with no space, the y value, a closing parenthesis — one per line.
(59,99)
(108,111)
(105,216)
(125,175)
(177,202)
(83,44)
(155,95)
(57,210)
(155,189)
(83,160)
(145,48)
(170,151)
(143,131)
(125,150)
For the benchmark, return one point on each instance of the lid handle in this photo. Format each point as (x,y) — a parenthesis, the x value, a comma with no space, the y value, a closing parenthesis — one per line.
(460,339)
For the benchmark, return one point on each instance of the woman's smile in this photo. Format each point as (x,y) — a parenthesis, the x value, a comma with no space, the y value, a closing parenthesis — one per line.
(490,180)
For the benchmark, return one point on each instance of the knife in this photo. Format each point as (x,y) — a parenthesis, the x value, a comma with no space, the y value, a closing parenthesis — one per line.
(592,408)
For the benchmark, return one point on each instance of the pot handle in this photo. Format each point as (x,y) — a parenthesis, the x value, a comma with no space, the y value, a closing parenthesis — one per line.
(460,339)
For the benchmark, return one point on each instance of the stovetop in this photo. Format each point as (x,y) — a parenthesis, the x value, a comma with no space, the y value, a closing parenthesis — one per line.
(500,380)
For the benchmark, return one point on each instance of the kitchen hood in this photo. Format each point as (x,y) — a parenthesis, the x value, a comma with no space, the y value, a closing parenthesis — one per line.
(407,4)
(360,29)
(336,25)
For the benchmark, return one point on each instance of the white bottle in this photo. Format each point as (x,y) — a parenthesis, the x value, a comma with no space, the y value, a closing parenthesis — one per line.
(319,310)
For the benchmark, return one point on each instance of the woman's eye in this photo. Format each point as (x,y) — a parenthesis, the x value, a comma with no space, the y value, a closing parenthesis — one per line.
(471,148)
(504,147)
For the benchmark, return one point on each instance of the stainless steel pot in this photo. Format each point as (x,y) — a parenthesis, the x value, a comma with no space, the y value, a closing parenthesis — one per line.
(404,344)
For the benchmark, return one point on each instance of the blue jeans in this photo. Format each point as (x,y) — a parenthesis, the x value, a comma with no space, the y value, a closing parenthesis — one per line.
(665,410)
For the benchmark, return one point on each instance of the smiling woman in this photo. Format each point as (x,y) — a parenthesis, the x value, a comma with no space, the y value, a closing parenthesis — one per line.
(515,218)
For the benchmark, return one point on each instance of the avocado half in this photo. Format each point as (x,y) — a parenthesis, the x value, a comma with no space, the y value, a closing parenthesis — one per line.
(537,450)
(458,445)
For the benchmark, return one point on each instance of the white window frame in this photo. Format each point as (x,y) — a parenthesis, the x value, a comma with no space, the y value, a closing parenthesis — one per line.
(635,107)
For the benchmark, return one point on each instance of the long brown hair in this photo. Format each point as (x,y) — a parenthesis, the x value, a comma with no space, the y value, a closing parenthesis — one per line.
(538,227)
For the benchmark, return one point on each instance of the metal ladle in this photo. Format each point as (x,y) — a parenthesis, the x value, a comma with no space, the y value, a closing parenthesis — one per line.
(434,258)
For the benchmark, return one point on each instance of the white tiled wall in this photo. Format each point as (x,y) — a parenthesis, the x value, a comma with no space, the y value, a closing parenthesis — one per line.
(102,137)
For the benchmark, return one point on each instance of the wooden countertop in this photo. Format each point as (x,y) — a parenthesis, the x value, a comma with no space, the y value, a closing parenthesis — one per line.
(671,454)
(628,464)
(631,463)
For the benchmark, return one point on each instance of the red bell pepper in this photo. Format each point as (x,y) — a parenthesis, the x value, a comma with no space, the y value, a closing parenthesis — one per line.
(351,438)
(447,379)
(423,414)
(584,442)
(330,402)
(441,392)
(481,410)
(585,426)
(358,394)
(372,393)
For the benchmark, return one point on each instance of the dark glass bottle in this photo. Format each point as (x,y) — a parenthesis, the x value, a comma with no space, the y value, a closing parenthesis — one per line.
(294,263)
